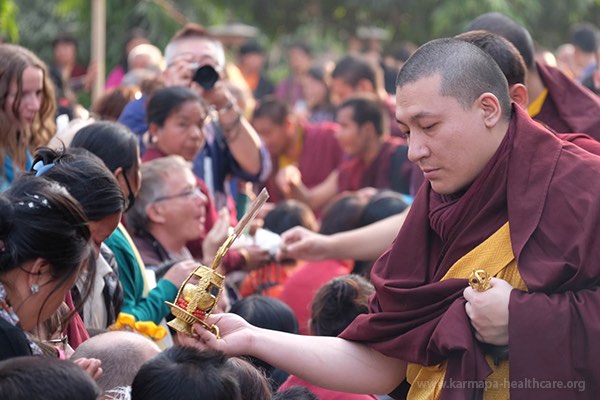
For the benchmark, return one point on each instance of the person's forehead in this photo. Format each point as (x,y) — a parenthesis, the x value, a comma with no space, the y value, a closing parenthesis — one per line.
(340,82)
(345,114)
(265,123)
(420,97)
(196,47)
(65,45)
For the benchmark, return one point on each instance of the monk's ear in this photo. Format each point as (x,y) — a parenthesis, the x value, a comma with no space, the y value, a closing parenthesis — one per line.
(518,93)
(490,108)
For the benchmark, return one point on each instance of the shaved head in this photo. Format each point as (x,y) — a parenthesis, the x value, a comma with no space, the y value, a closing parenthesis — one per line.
(502,51)
(506,27)
(122,354)
(466,72)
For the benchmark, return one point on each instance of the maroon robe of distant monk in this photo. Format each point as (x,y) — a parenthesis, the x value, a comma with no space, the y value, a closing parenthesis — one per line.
(548,191)
(320,155)
(569,106)
(389,170)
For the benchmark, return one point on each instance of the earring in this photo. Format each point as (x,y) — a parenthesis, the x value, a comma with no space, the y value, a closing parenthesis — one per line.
(34,288)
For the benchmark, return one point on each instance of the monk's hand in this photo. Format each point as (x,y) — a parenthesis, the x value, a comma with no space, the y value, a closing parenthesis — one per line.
(287,178)
(488,311)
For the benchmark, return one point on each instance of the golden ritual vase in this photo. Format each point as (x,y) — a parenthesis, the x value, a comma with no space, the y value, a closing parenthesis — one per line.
(200,292)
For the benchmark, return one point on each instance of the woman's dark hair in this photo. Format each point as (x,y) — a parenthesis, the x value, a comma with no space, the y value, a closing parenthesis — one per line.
(112,142)
(338,302)
(295,393)
(266,312)
(168,100)
(253,382)
(40,219)
(110,105)
(269,313)
(25,378)
(383,204)
(186,373)
(288,214)
(343,213)
(86,178)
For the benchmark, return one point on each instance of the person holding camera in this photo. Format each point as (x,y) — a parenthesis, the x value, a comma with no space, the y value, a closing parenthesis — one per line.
(196,59)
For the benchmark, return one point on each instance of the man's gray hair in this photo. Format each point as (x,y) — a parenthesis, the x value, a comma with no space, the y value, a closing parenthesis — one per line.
(171,50)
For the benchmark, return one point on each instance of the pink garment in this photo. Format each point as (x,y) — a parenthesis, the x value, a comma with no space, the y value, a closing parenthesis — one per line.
(76,331)
(114,78)
(322,394)
(300,288)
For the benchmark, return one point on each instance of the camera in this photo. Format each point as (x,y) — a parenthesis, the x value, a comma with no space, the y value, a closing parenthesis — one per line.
(206,76)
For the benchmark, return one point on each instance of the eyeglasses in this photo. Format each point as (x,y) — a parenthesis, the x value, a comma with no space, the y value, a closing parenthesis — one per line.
(60,342)
(195,192)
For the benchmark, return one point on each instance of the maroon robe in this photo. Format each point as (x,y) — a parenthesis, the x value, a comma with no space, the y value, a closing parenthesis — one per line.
(569,106)
(355,174)
(582,140)
(546,189)
(320,155)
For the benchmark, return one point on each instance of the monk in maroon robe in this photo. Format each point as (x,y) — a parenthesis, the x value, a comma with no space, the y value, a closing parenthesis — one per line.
(389,170)
(569,106)
(500,187)
(555,100)
(312,148)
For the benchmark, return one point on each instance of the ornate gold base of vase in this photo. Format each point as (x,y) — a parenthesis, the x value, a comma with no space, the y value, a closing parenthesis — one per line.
(196,299)
(184,321)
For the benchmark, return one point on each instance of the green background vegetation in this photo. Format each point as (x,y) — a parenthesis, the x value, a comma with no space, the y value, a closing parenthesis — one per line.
(324,24)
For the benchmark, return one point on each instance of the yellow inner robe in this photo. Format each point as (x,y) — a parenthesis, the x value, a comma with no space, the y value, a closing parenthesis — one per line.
(495,256)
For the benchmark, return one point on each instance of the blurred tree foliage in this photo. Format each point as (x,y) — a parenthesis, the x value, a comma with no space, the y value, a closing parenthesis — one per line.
(9,28)
(325,24)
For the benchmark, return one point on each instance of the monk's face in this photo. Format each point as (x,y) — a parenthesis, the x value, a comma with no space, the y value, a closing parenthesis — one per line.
(352,138)
(276,137)
(450,143)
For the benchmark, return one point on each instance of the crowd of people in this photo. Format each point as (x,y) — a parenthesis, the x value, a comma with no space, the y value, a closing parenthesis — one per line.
(355,281)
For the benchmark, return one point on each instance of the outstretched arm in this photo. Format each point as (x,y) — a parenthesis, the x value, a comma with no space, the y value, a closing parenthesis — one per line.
(328,362)
(366,243)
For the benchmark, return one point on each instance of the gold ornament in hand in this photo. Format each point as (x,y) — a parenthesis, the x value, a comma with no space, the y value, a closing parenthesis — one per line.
(480,280)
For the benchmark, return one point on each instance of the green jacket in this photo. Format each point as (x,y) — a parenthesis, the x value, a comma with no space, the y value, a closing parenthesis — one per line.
(149,308)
